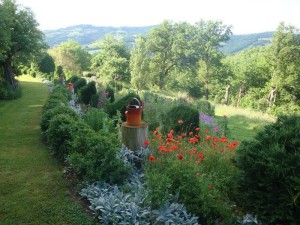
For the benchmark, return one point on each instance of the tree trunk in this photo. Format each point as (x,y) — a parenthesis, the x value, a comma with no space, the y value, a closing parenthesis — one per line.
(241,91)
(272,97)
(8,74)
(133,137)
(227,93)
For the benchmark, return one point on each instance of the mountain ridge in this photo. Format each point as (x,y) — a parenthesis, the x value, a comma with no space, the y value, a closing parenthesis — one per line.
(86,35)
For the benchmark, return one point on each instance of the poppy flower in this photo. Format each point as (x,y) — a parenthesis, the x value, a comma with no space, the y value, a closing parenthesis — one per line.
(146,142)
(151,158)
(180,121)
(180,156)
(197,129)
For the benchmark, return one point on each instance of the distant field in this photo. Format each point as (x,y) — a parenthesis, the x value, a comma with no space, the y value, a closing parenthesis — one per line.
(243,124)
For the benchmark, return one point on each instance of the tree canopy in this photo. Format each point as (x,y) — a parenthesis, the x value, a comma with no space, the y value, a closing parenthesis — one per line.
(20,39)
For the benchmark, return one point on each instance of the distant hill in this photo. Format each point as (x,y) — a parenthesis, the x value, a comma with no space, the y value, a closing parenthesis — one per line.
(88,34)
(238,43)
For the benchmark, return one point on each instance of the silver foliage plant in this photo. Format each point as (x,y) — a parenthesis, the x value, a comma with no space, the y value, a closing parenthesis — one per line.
(126,204)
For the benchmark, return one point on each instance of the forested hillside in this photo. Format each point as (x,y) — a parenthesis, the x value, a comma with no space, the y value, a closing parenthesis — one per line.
(85,35)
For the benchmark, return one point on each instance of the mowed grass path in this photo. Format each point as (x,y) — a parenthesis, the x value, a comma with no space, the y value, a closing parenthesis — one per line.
(32,187)
(243,124)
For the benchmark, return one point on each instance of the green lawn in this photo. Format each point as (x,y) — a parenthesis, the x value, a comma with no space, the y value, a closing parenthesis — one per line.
(243,124)
(32,186)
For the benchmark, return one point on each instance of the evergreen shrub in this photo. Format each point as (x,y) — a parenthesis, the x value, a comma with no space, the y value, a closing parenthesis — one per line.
(188,115)
(98,162)
(86,92)
(269,183)
(61,132)
(79,84)
(50,113)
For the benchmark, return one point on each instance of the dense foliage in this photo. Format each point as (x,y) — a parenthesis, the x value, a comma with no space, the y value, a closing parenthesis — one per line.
(20,41)
(269,183)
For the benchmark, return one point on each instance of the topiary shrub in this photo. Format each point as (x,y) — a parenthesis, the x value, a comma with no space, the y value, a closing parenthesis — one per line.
(79,84)
(86,92)
(120,106)
(61,132)
(269,183)
(110,94)
(50,113)
(181,118)
(98,162)
(73,79)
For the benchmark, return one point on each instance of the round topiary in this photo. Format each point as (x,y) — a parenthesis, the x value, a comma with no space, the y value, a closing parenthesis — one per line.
(269,183)
(79,84)
(181,118)
(49,114)
(87,92)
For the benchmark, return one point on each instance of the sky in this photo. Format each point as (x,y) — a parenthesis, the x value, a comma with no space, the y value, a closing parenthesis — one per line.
(245,16)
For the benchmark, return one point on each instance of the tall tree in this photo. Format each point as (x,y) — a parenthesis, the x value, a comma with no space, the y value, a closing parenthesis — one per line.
(208,37)
(168,50)
(72,57)
(139,65)
(284,59)
(112,61)
(20,38)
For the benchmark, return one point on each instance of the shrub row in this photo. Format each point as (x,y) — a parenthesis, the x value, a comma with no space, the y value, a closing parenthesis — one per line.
(89,145)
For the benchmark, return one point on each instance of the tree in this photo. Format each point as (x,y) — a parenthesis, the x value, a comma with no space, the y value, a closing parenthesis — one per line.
(208,37)
(112,61)
(168,50)
(139,65)
(21,38)
(46,64)
(284,59)
(72,57)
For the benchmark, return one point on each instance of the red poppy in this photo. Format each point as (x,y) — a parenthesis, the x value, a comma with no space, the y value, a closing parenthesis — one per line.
(197,129)
(179,137)
(180,156)
(146,142)
(180,121)
(207,138)
(191,133)
(151,158)
(173,147)
(225,117)
(197,174)
(162,148)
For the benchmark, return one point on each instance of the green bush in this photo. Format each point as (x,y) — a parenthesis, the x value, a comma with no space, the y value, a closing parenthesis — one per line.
(7,92)
(120,106)
(61,132)
(95,118)
(86,92)
(79,84)
(73,79)
(269,183)
(98,162)
(188,115)
(110,94)
(50,113)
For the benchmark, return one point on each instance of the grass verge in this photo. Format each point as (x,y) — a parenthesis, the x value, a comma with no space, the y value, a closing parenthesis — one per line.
(32,186)
(243,124)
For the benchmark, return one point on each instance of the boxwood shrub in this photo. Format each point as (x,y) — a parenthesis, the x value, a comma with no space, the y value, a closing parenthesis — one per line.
(269,183)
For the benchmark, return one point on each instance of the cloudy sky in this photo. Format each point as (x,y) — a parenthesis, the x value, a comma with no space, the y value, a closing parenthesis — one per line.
(245,16)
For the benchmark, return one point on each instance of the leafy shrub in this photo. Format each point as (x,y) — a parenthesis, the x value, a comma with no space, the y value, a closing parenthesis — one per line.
(79,84)
(73,79)
(61,132)
(110,94)
(49,114)
(86,92)
(96,119)
(120,106)
(269,183)
(188,115)
(99,162)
